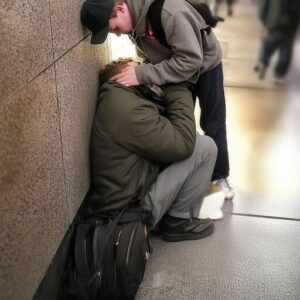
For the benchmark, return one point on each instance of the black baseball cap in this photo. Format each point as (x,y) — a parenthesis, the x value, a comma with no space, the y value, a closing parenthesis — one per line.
(95,15)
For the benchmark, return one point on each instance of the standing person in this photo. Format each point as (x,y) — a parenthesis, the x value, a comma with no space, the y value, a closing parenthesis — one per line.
(217,3)
(194,55)
(281,20)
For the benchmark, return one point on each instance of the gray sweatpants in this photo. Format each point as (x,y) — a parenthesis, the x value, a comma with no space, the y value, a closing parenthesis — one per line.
(179,190)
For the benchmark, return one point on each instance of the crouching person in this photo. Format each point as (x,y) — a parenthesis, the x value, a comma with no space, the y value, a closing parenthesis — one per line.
(143,139)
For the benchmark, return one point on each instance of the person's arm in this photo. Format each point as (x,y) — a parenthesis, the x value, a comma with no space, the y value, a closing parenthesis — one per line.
(183,34)
(144,131)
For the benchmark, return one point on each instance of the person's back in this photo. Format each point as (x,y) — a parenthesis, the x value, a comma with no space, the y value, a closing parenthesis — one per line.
(280,15)
(112,164)
(127,144)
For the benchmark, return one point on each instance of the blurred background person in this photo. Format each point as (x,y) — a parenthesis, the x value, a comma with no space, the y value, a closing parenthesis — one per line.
(281,21)
(217,3)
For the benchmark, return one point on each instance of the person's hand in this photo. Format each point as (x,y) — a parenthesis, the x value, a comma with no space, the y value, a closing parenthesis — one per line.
(126,77)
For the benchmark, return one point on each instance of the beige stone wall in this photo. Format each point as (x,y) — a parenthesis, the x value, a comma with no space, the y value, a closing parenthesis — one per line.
(48,88)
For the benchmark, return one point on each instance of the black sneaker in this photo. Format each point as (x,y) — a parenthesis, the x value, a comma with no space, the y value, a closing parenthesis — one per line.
(176,229)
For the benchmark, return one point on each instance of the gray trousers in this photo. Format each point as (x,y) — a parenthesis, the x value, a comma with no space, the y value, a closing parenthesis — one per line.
(179,190)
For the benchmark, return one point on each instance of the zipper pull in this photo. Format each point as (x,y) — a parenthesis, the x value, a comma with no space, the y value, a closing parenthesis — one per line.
(118,239)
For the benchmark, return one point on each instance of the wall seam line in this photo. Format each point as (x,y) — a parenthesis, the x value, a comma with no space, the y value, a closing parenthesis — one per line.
(47,67)
(263,217)
(59,115)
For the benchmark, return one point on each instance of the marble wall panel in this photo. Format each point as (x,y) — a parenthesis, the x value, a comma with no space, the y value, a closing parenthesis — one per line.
(77,82)
(26,44)
(34,220)
(66,27)
(29,127)
(33,206)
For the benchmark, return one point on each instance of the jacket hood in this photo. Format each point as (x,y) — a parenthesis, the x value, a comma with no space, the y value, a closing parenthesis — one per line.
(139,9)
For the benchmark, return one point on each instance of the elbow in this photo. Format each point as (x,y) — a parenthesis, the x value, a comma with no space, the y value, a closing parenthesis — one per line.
(189,144)
(187,150)
(190,148)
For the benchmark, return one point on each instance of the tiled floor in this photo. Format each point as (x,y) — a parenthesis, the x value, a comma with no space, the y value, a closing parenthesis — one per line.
(255,250)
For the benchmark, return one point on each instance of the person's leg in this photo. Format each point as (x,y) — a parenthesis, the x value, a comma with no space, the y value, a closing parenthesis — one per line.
(215,6)
(285,55)
(180,188)
(229,7)
(210,91)
(269,45)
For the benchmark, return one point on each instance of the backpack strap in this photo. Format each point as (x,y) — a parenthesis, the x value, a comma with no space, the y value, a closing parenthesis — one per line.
(135,214)
(80,250)
(98,248)
(101,235)
(99,244)
(154,17)
(80,261)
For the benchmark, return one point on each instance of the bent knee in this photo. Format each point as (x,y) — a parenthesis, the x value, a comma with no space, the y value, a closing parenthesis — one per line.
(205,146)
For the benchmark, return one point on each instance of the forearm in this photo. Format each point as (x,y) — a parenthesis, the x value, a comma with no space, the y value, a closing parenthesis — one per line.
(159,138)
(177,69)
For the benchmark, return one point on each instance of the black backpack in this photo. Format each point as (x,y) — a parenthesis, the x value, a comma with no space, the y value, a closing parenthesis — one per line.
(110,256)
(154,16)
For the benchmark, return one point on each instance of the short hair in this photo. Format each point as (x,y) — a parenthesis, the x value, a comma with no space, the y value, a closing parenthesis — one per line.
(113,68)
(114,12)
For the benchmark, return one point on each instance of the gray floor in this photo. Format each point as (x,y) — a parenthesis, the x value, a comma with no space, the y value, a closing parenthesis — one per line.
(255,250)
(246,258)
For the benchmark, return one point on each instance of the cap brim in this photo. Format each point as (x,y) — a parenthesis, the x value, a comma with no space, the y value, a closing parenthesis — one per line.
(100,36)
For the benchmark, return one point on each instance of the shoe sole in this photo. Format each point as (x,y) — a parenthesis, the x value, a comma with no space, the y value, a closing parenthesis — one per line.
(178,237)
(228,198)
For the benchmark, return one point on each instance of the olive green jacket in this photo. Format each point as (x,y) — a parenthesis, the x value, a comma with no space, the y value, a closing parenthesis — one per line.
(130,139)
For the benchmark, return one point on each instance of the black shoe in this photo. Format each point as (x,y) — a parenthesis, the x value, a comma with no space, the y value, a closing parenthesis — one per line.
(261,69)
(262,72)
(176,229)
(157,229)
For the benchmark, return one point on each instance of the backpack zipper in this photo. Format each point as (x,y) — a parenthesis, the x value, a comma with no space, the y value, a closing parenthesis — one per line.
(118,239)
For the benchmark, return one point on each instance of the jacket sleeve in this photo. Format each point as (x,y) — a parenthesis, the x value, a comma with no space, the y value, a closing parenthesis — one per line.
(160,139)
(184,37)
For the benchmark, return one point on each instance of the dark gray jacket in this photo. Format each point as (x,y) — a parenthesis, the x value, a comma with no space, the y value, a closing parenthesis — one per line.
(130,139)
(282,15)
